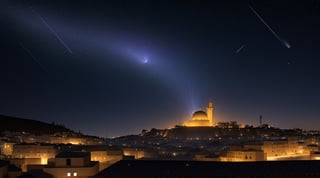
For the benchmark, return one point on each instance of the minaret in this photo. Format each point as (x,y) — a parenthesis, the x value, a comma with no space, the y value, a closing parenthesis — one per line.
(210,112)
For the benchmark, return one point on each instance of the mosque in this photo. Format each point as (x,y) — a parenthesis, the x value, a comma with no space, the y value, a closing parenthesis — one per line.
(201,118)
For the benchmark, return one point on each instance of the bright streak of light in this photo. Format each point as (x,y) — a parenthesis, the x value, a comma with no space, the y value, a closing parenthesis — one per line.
(52,31)
(270,29)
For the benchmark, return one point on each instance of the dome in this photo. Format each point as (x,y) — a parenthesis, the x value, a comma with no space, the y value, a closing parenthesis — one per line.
(199,115)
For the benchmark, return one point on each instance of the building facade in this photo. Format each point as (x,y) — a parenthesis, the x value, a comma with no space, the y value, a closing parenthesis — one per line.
(72,164)
(201,118)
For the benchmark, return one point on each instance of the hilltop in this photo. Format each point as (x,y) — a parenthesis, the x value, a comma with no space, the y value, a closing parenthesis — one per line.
(14,124)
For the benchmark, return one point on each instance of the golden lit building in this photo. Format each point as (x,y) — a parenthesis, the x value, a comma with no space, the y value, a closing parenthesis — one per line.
(135,152)
(26,154)
(7,148)
(275,148)
(315,155)
(106,157)
(44,152)
(201,118)
(243,155)
(72,164)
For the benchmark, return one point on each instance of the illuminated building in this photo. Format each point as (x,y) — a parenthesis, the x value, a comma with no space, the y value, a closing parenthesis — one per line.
(7,148)
(26,154)
(201,118)
(106,157)
(315,155)
(243,155)
(282,148)
(136,153)
(44,152)
(275,148)
(72,164)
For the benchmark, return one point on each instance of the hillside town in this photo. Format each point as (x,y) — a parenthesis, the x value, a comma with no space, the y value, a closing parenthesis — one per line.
(65,154)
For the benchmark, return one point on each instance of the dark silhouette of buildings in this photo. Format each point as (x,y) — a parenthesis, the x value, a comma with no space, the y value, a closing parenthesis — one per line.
(187,169)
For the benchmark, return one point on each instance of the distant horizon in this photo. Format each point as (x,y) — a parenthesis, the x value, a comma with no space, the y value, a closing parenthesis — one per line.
(160,128)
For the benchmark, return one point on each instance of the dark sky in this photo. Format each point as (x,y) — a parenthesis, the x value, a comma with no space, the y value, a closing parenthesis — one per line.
(117,67)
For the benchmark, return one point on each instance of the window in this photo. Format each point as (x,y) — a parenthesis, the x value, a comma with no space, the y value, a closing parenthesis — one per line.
(68,162)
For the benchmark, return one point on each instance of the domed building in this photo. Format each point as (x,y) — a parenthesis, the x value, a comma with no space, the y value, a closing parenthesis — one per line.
(201,118)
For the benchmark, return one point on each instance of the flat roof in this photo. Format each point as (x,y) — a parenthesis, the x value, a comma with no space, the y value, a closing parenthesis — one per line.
(68,154)
(203,168)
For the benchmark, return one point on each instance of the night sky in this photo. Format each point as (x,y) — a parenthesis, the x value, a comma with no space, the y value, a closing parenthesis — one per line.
(117,67)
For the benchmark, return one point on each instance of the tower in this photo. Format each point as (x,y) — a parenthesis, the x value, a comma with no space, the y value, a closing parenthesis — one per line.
(210,112)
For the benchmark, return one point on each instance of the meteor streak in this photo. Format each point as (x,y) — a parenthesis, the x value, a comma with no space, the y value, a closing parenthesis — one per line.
(32,56)
(270,29)
(52,31)
(240,49)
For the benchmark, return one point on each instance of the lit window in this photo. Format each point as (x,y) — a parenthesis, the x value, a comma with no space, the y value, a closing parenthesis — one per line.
(75,174)
(68,174)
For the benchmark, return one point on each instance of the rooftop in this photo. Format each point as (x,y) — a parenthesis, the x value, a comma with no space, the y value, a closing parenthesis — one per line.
(199,168)
(72,154)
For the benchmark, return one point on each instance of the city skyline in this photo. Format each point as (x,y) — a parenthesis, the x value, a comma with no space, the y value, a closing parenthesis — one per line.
(115,68)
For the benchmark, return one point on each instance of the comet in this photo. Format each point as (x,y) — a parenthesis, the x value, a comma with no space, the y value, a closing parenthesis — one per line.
(145,60)
(285,43)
